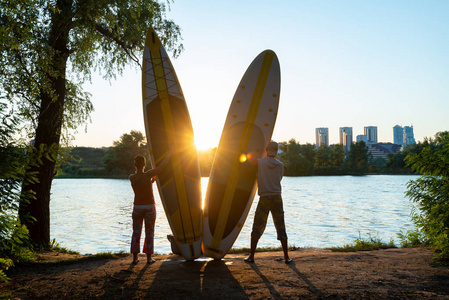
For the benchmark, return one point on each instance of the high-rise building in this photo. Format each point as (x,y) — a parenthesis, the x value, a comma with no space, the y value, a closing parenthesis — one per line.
(362,137)
(398,135)
(403,135)
(346,137)
(409,137)
(371,135)
(322,136)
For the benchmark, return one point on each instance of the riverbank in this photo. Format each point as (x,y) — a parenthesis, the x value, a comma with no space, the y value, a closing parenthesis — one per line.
(315,273)
(206,175)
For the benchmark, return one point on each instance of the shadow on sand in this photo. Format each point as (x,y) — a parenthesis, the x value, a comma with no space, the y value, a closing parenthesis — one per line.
(311,286)
(180,279)
(274,293)
(218,282)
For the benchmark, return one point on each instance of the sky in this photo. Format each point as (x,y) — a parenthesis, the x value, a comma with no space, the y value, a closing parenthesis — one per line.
(343,64)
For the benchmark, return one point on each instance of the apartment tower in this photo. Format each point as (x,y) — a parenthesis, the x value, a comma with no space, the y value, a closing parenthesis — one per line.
(409,137)
(346,137)
(398,135)
(322,136)
(371,135)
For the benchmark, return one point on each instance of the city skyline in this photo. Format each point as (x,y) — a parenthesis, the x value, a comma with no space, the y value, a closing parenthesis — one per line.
(369,136)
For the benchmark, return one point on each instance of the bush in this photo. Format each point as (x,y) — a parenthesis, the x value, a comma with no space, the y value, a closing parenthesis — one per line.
(412,238)
(14,244)
(431,193)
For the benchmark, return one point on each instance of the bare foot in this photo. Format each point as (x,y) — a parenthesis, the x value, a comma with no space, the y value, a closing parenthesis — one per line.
(249,259)
(150,261)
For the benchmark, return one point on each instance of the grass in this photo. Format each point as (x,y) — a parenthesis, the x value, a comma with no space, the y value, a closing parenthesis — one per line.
(56,247)
(98,256)
(364,245)
(358,245)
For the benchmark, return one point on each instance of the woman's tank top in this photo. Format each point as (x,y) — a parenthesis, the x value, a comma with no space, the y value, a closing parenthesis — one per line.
(143,191)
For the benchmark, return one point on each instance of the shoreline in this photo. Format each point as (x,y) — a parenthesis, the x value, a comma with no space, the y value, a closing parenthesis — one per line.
(63,176)
(314,274)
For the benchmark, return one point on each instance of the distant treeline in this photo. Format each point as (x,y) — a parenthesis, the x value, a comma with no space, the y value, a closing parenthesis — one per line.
(86,162)
(116,161)
(299,159)
(307,160)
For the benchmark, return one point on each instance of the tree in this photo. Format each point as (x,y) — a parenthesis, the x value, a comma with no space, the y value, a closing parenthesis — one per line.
(323,156)
(308,152)
(119,159)
(298,159)
(338,155)
(358,157)
(431,192)
(396,161)
(48,49)
(83,162)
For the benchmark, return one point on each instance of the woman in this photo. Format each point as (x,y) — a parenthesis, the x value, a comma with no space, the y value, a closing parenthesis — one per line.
(144,209)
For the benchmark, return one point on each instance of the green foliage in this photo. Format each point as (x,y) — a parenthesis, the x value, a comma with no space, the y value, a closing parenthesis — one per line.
(323,156)
(14,245)
(54,246)
(5,264)
(396,161)
(364,245)
(298,159)
(412,238)
(99,35)
(378,162)
(84,162)
(119,159)
(358,158)
(306,160)
(431,192)
(337,156)
(329,160)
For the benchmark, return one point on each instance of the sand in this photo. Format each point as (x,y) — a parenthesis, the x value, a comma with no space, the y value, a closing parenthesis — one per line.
(315,274)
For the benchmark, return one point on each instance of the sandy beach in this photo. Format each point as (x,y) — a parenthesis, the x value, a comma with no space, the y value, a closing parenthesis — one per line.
(315,274)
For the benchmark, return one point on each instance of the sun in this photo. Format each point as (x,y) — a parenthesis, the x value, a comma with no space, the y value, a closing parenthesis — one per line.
(205,139)
(204,144)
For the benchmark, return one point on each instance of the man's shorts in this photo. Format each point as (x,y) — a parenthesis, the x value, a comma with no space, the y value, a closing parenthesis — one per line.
(266,204)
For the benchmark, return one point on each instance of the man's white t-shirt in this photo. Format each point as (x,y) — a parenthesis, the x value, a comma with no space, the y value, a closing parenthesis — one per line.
(269,175)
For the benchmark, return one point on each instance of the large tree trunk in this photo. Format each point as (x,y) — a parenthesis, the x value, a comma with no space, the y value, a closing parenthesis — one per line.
(48,129)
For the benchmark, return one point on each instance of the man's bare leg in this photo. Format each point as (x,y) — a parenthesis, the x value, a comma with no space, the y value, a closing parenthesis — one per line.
(250,258)
(284,244)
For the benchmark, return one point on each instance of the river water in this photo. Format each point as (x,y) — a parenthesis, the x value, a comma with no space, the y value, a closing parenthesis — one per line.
(94,215)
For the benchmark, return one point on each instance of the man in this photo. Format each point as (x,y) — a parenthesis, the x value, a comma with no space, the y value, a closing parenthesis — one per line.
(269,175)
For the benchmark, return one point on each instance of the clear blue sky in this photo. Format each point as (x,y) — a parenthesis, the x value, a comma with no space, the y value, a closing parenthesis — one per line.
(343,64)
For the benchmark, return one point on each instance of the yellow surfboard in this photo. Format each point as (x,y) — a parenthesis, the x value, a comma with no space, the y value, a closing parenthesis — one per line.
(167,121)
(246,133)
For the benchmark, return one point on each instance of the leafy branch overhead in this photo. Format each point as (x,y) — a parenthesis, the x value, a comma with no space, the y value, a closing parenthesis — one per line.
(103,36)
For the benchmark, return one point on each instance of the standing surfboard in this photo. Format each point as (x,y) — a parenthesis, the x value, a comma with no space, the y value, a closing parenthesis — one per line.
(167,122)
(246,133)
